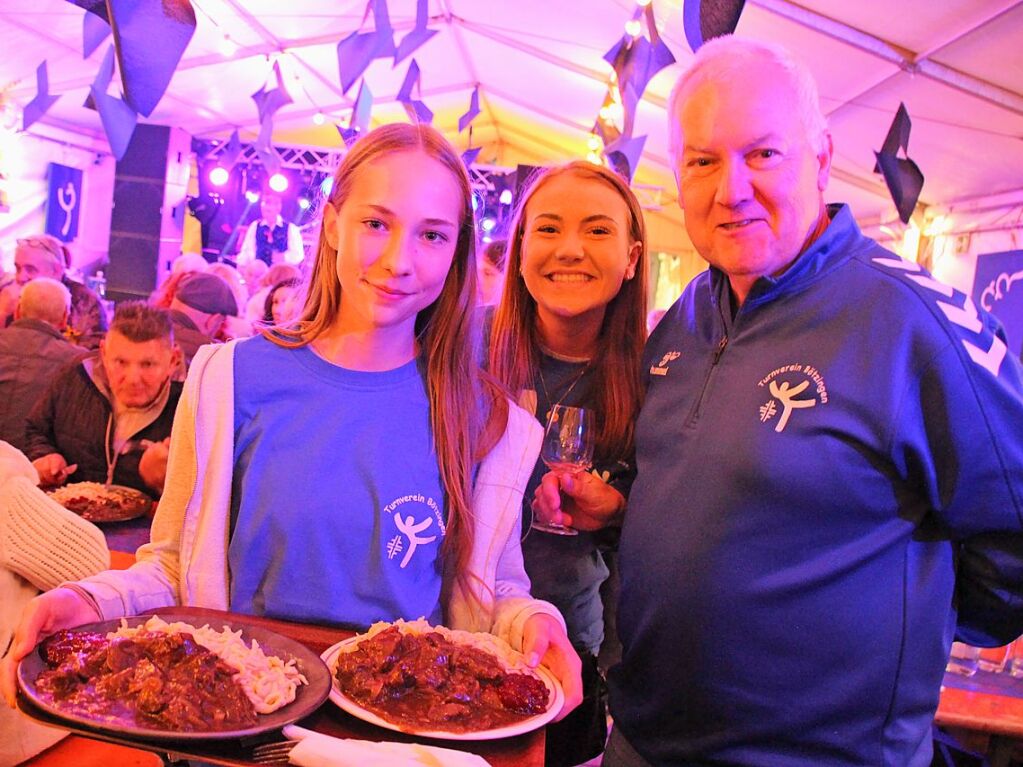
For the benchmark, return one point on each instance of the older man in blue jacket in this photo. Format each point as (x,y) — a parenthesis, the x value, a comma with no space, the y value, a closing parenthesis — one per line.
(830,462)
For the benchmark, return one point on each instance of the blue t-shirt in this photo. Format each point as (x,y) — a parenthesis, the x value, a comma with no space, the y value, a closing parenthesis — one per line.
(337,503)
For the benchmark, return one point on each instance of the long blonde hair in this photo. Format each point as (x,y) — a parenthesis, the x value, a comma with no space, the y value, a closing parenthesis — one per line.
(468,409)
(616,391)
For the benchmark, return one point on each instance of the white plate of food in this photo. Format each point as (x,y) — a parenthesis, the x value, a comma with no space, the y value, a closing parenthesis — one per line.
(102,503)
(435,682)
(164,678)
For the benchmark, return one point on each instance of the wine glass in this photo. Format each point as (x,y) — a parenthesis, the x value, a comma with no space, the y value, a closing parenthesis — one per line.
(567,449)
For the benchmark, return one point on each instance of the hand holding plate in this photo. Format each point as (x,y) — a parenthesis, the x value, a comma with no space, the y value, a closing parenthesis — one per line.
(544,641)
(47,614)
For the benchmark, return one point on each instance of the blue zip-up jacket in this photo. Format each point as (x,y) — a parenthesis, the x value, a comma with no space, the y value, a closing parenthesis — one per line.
(827,483)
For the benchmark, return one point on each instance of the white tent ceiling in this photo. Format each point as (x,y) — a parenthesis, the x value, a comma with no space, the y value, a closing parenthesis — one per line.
(956,64)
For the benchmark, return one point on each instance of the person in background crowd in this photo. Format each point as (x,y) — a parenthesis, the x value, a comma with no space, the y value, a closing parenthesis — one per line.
(252,275)
(46,256)
(32,352)
(400,497)
(42,545)
(829,461)
(234,280)
(187,263)
(491,272)
(270,238)
(569,331)
(255,310)
(183,265)
(201,304)
(106,419)
(283,303)
(234,325)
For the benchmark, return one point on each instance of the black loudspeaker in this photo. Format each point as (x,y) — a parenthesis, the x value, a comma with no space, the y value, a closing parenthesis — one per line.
(150,185)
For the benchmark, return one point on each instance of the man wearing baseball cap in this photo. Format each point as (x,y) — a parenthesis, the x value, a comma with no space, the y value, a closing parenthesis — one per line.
(200,306)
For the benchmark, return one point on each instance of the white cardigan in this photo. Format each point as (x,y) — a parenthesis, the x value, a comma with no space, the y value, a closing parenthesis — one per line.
(186,559)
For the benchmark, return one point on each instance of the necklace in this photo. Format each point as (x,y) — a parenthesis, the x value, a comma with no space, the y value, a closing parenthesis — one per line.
(551,404)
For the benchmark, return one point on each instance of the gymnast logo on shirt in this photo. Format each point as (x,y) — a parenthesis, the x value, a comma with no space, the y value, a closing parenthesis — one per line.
(792,388)
(414,517)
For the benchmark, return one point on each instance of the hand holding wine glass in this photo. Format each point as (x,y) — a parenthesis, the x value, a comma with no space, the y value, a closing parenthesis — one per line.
(567,449)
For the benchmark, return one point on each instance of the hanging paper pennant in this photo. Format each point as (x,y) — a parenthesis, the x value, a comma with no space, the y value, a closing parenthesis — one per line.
(269,101)
(42,101)
(232,151)
(636,60)
(419,34)
(416,110)
(94,31)
(469,155)
(262,146)
(95,7)
(706,19)
(902,176)
(356,51)
(358,123)
(474,109)
(104,75)
(151,38)
(118,120)
(623,155)
(361,111)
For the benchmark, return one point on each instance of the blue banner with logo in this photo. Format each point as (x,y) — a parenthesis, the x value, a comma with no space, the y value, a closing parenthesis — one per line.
(64,202)
(998,287)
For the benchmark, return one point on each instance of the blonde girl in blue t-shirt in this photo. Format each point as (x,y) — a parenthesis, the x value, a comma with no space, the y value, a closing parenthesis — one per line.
(394,281)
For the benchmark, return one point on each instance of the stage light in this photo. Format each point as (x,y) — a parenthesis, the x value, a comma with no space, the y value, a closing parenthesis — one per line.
(219,176)
(319,118)
(593,142)
(506,197)
(252,196)
(278,182)
(304,203)
(327,186)
(487,224)
(478,202)
(594,158)
(487,239)
(632,28)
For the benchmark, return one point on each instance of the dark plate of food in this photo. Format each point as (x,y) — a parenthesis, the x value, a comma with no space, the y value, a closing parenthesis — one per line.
(165,678)
(439,683)
(102,503)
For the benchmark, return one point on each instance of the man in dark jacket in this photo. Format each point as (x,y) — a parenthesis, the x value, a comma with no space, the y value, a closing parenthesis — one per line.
(32,352)
(108,418)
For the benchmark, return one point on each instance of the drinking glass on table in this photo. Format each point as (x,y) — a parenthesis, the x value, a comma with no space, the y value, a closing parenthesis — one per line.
(567,449)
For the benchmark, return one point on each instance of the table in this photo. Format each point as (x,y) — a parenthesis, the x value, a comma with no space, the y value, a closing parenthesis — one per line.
(984,719)
(525,750)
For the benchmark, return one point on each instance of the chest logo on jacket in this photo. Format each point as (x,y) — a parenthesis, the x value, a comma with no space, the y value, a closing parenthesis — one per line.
(661,368)
(793,387)
(413,516)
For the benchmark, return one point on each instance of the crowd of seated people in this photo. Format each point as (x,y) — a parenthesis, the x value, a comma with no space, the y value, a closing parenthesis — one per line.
(86,403)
